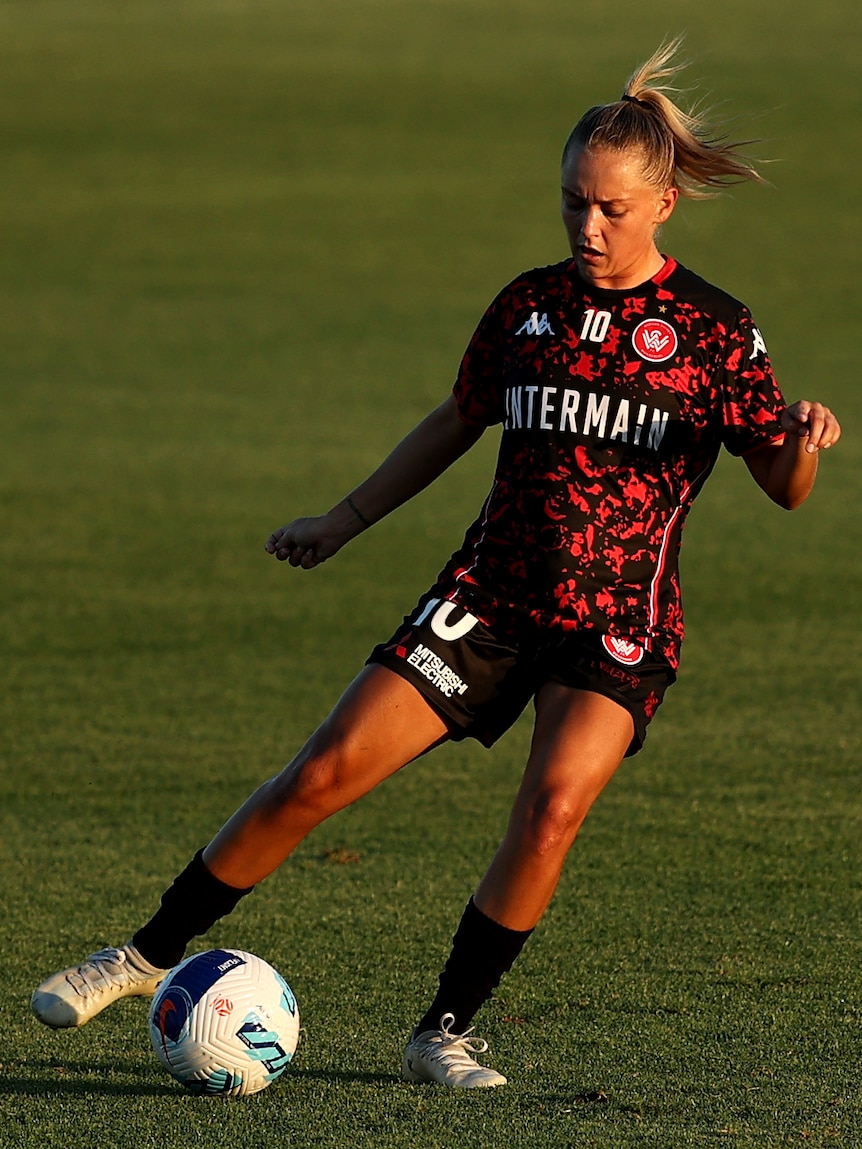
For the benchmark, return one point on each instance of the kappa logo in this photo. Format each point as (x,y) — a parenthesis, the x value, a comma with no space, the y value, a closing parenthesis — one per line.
(759,347)
(622,649)
(536,326)
(655,340)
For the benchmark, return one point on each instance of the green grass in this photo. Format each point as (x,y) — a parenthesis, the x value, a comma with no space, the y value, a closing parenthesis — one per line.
(243,246)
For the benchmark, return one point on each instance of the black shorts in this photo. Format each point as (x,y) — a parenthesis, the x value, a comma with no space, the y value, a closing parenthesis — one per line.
(480,683)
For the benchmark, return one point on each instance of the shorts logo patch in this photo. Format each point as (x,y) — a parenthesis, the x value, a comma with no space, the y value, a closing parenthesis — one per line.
(655,340)
(438,672)
(622,649)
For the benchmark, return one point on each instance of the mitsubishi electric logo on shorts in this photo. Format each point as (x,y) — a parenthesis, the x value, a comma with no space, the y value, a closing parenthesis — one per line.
(429,664)
(438,672)
(536,326)
(622,649)
(655,340)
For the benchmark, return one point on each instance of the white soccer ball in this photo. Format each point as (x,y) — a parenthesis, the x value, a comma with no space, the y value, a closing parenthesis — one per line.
(224,1022)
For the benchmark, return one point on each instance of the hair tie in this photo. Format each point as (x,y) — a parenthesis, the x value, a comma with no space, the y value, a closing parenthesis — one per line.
(634,100)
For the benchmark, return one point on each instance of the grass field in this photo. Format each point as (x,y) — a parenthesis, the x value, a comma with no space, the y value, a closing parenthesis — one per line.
(243,245)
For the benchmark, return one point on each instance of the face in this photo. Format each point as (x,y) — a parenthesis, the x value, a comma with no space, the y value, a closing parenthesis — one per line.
(611,215)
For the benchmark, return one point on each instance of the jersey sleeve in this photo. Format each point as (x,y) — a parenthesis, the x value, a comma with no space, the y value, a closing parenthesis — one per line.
(751,399)
(479,392)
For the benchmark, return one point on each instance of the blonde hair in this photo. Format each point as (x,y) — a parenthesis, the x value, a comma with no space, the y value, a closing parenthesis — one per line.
(679,148)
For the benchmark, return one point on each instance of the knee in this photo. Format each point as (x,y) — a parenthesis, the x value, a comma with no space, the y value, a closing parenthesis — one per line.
(310,783)
(550,822)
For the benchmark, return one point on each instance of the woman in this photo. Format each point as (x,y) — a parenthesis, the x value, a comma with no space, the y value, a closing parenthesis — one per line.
(617,375)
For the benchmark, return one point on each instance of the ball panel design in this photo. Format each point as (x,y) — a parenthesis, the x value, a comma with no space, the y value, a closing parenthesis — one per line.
(224,1022)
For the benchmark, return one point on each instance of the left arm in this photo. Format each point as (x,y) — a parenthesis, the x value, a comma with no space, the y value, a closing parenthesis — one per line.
(786,471)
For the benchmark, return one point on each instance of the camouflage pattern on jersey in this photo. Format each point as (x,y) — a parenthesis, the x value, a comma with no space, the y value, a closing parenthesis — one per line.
(614,407)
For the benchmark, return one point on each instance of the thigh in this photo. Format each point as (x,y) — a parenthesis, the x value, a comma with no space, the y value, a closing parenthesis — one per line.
(619,668)
(580,738)
(379,724)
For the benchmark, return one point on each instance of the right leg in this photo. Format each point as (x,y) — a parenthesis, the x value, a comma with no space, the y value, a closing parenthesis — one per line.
(379,725)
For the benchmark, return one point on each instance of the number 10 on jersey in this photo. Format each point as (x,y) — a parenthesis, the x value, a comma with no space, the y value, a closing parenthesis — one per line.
(596,324)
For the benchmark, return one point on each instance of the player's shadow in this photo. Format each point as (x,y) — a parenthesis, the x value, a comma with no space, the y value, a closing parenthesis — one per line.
(335,1076)
(78,1079)
(88,1079)
(91,1079)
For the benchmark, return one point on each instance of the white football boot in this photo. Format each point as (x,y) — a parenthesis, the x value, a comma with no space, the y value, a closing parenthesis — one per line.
(441,1056)
(71,997)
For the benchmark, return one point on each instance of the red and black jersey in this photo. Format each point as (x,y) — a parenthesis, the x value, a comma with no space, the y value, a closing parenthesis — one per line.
(614,406)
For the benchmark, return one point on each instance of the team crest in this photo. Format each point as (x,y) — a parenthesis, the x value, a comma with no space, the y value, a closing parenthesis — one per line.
(655,340)
(622,649)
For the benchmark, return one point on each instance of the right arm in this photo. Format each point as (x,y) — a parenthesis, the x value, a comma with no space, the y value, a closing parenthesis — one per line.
(424,454)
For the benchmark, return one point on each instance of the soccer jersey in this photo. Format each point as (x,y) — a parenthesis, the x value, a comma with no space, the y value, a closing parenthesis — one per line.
(614,406)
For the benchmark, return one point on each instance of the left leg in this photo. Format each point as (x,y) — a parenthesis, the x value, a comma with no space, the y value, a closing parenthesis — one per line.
(579,740)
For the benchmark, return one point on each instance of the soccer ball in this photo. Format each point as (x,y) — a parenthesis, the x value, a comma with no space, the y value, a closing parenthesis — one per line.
(224,1022)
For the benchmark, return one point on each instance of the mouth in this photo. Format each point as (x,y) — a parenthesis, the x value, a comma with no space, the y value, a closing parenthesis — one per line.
(589,254)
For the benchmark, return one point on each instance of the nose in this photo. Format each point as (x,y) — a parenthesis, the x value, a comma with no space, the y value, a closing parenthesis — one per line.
(590,222)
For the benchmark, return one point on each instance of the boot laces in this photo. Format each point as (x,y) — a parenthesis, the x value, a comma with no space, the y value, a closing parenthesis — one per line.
(454,1046)
(101,971)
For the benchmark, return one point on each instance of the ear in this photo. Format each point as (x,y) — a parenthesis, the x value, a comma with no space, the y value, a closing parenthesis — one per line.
(666,204)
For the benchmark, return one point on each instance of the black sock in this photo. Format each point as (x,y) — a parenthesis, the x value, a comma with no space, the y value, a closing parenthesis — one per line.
(482,951)
(195,901)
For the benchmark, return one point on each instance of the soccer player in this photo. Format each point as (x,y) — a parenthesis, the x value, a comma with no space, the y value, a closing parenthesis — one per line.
(617,375)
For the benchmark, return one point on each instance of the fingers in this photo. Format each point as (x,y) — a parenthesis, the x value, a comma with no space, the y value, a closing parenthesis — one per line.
(287,548)
(281,544)
(308,559)
(813,422)
(297,555)
(271,544)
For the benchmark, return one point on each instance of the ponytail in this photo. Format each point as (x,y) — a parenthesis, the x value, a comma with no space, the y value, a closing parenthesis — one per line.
(679,148)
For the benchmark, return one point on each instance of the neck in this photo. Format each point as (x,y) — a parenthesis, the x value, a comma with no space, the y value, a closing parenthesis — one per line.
(634,277)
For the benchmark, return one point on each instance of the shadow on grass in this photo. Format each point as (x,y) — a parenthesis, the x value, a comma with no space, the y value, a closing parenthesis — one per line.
(71,1079)
(344,1075)
(48,1080)
(84,1079)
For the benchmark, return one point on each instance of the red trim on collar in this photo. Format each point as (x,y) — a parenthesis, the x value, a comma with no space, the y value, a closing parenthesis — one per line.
(669,268)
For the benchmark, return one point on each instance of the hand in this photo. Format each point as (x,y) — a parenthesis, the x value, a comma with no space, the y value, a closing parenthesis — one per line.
(305,543)
(813,422)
